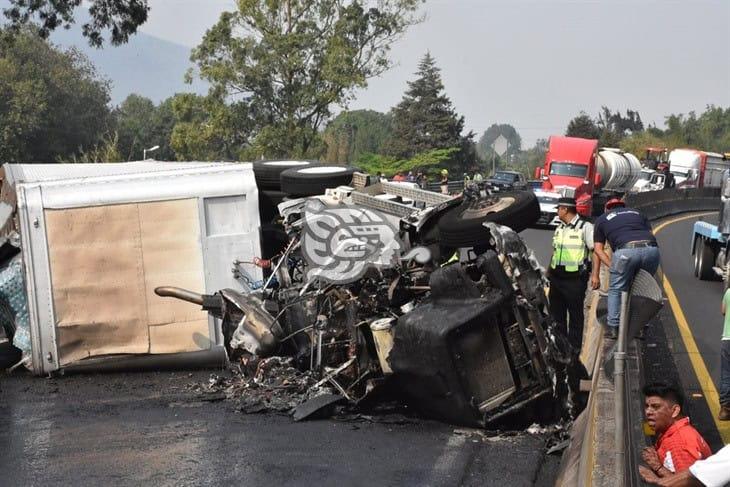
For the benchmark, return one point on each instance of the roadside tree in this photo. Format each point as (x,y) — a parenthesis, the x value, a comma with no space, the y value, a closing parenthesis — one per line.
(351,134)
(425,119)
(208,129)
(53,104)
(287,63)
(140,124)
(120,17)
(583,126)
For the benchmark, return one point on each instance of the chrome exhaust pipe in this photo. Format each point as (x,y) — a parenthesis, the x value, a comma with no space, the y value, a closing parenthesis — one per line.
(179,293)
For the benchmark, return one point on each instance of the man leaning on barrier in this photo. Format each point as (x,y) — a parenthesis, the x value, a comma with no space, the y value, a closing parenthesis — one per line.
(633,246)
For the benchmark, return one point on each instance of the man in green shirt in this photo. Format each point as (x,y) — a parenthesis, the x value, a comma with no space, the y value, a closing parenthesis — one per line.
(725,362)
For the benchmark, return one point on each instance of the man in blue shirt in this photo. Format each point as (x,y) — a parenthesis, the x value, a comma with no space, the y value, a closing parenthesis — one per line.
(633,246)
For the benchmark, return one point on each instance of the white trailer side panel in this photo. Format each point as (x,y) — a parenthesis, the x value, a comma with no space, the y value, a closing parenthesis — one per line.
(95,248)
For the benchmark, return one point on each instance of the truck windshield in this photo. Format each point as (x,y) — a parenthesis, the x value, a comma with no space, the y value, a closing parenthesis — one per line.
(568,169)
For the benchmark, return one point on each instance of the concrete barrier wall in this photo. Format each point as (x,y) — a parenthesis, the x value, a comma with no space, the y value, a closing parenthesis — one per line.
(589,461)
(668,202)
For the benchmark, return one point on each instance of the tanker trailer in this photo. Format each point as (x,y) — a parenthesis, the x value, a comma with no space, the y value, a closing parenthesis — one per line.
(577,168)
(618,170)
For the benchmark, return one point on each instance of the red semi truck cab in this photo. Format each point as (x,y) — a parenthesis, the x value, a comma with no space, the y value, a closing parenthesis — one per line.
(570,169)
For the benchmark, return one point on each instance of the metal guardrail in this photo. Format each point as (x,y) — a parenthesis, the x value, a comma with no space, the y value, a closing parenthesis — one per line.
(416,194)
(391,207)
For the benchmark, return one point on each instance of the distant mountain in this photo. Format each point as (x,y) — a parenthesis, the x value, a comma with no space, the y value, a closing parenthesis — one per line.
(146,65)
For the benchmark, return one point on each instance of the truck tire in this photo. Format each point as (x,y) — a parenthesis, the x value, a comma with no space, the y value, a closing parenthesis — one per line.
(267,173)
(696,254)
(314,180)
(706,261)
(268,201)
(462,226)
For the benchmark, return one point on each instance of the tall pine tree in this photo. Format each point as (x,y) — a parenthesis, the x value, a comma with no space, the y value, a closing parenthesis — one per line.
(425,119)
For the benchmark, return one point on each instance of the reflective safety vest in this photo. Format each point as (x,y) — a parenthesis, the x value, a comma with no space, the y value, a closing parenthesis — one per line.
(569,247)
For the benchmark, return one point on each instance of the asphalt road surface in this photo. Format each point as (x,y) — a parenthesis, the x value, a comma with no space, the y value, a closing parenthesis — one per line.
(540,241)
(696,352)
(153,428)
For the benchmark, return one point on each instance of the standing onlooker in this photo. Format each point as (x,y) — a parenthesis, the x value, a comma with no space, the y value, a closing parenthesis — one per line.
(634,247)
(569,271)
(422,180)
(444,181)
(725,361)
(678,445)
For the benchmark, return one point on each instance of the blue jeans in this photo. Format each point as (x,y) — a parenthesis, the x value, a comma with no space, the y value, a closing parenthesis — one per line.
(625,263)
(725,372)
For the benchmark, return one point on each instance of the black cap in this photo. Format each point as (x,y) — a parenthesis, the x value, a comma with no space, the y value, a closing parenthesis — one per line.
(567,202)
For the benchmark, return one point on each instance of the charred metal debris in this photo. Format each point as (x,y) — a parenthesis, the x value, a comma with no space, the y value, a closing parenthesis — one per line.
(461,334)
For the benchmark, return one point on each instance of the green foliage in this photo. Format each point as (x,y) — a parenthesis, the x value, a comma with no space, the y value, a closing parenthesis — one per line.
(141,125)
(526,161)
(351,134)
(484,146)
(120,17)
(609,128)
(710,131)
(207,129)
(376,164)
(615,127)
(425,119)
(583,126)
(637,143)
(106,151)
(52,102)
(286,63)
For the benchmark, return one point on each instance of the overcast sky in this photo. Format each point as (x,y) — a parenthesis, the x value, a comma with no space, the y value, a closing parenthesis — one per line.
(536,63)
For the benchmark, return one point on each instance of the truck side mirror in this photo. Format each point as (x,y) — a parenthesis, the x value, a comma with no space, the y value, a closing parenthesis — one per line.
(597,179)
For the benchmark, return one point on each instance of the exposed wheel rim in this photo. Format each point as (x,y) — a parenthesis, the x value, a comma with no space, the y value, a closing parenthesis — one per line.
(483,208)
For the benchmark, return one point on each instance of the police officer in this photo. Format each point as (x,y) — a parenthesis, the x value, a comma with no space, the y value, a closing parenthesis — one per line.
(569,271)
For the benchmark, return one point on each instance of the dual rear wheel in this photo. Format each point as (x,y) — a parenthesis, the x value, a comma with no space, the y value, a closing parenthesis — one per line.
(704,260)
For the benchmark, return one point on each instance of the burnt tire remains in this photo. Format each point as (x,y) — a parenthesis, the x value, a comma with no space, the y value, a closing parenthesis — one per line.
(462,226)
(268,173)
(314,180)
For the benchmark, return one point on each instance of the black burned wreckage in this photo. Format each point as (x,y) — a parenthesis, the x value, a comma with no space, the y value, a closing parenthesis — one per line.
(373,286)
(331,291)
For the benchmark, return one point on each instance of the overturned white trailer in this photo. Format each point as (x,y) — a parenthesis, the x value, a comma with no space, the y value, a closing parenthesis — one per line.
(97,239)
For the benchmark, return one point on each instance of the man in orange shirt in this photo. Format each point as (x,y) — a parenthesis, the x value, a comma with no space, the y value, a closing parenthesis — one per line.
(678,444)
